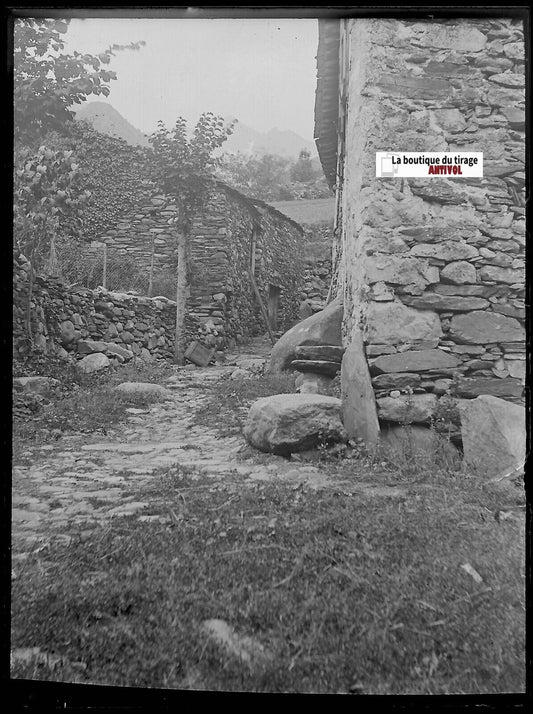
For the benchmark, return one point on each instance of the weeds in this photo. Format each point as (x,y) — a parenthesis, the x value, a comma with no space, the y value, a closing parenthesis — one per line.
(339,590)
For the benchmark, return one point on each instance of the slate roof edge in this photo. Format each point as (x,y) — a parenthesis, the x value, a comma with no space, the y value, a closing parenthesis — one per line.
(327,96)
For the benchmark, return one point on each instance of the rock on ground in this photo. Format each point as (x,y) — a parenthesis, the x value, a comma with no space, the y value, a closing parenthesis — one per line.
(322,328)
(494,434)
(311,383)
(408,409)
(36,385)
(284,423)
(245,648)
(94,362)
(418,441)
(143,389)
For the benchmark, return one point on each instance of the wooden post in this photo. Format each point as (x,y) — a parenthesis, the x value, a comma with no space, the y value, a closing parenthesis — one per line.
(261,305)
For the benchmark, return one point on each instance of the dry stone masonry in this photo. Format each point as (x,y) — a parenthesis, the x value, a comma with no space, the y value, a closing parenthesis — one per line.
(86,323)
(432,270)
(230,234)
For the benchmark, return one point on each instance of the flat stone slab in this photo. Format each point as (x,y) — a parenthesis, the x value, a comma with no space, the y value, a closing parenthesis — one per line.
(413,361)
(451,303)
(322,328)
(330,353)
(396,380)
(482,328)
(316,366)
(471,387)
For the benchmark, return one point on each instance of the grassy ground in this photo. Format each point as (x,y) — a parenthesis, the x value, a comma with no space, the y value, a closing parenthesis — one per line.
(80,402)
(346,590)
(309,211)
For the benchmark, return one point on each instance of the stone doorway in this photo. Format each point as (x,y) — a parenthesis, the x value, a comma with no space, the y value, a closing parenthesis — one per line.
(274,293)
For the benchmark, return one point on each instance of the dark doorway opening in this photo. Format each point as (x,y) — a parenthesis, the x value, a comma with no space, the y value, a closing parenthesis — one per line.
(274,293)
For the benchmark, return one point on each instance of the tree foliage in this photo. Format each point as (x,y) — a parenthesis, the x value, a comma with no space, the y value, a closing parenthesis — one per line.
(48,82)
(184,166)
(303,170)
(47,195)
(273,178)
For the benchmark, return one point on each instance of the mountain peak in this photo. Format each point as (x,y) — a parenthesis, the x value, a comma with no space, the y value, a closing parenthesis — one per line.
(107,120)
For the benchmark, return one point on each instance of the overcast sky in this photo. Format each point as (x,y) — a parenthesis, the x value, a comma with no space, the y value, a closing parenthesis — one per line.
(262,71)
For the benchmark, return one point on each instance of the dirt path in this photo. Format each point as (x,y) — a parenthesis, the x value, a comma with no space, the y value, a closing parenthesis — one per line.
(82,481)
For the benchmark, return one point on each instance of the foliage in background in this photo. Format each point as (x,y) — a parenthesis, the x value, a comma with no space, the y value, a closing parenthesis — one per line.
(47,82)
(273,178)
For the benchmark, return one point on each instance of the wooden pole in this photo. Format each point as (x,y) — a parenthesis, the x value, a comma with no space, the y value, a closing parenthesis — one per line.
(261,305)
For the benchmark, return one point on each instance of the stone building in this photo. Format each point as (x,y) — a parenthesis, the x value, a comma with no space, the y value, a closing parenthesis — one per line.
(431,270)
(232,237)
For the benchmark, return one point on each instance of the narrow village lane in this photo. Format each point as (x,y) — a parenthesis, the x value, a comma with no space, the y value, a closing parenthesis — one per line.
(83,481)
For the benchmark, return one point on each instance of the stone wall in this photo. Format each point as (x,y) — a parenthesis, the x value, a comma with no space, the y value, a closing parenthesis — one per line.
(221,293)
(317,275)
(62,318)
(433,269)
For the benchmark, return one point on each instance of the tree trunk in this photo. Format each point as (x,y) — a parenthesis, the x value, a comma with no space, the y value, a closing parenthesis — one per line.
(181,299)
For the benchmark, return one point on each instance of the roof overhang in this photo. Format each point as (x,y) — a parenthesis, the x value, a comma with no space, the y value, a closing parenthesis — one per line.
(327,96)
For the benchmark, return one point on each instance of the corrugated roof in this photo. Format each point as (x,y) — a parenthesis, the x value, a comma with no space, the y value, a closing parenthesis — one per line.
(327,96)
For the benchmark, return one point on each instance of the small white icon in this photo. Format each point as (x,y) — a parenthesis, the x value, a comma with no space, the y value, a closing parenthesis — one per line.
(388,169)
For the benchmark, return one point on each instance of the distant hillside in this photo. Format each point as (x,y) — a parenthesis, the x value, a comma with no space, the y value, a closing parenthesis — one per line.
(248,141)
(245,140)
(105,119)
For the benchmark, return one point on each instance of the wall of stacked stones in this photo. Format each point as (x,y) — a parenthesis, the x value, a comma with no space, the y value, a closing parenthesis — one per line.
(318,266)
(221,295)
(433,269)
(62,317)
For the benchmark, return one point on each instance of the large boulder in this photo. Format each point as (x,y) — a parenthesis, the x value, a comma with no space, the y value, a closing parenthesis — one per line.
(494,434)
(284,423)
(322,328)
(94,362)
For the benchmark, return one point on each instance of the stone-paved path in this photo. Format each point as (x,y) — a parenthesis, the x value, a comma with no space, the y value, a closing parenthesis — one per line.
(81,480)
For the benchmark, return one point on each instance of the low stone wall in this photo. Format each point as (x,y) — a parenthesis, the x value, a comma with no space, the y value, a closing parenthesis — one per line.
(220,251)
(318,265)
(61,317)
(317,279)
